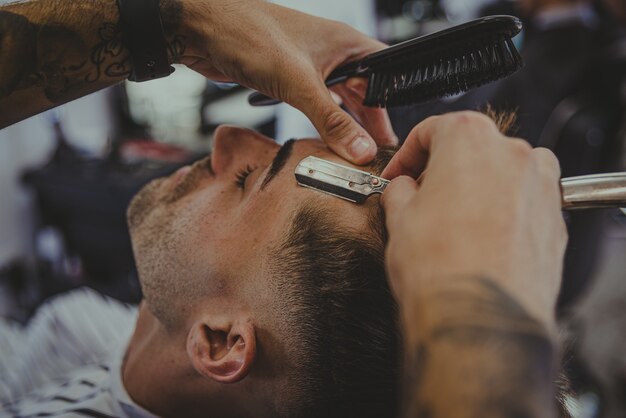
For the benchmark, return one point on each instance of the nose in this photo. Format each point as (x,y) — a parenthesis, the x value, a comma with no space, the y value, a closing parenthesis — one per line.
(235,147)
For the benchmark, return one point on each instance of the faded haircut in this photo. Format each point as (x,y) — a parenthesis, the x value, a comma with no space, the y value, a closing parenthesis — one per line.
(340,312)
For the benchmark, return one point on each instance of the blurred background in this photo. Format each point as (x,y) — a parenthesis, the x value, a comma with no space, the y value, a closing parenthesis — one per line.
(67,175)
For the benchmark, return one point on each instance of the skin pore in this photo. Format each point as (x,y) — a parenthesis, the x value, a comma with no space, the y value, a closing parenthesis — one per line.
(202,240)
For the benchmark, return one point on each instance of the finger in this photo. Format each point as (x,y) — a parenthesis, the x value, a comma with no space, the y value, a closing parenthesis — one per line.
(549,176)
(547,162)
(549,172)
(411,158)
(395,198)
(375,120)
(454,134)
(337,129)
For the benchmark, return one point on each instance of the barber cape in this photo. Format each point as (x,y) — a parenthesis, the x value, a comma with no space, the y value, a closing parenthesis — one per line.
(67,362)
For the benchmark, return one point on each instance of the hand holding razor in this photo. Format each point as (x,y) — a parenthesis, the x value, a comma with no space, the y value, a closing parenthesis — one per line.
(606,190)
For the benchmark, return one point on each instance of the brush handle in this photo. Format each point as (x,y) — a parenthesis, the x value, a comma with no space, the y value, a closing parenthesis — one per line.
(594,191)
(341,74)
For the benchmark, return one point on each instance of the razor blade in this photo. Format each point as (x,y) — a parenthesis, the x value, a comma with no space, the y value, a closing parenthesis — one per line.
(338,180)
(595,191)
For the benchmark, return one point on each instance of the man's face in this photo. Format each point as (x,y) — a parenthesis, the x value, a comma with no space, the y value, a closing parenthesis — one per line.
(216,222)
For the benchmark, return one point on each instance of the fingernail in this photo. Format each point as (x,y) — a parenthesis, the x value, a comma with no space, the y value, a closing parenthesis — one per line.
(361,147)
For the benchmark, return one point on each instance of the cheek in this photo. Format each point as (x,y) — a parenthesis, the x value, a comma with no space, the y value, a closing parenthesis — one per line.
(202,215)
(219,223)
(266,219)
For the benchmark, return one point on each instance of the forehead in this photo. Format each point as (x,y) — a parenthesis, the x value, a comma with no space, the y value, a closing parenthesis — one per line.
(287,180)
(283,197)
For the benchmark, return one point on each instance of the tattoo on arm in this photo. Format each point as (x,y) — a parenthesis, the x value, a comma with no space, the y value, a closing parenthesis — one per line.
(53,51)
(484,357)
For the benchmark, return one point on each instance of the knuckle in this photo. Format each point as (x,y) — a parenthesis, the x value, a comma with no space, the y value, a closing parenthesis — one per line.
(475,120)
(341,34)
(342,27)
(547,161)
(433,119)
(338,126)
(345,32)
(427,125)
(521,150)
(521,147)
(519,157)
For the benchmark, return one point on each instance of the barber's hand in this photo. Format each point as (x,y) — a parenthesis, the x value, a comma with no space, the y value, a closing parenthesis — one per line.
(287,55)
(485,206)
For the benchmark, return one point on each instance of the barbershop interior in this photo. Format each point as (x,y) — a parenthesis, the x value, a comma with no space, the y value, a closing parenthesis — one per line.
(68,175)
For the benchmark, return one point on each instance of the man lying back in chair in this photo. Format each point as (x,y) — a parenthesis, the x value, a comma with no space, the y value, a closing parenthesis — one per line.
(262,298)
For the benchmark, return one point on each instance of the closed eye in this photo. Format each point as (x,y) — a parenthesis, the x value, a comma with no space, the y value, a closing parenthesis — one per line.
(242,175)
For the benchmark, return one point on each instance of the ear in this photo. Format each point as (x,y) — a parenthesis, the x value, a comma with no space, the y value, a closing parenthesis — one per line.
(222,350)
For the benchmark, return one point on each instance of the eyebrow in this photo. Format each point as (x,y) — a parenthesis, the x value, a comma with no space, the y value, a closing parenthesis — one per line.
(279,162)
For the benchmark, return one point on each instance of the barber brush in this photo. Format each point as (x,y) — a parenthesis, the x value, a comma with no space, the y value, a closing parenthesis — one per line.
(433,66)
(584,192)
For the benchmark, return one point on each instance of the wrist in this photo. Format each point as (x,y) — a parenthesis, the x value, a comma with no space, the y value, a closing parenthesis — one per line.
(199,28)
(180,26)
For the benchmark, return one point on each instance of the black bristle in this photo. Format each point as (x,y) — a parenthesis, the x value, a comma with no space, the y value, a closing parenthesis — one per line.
(433,66)
(439,76)
(464,57)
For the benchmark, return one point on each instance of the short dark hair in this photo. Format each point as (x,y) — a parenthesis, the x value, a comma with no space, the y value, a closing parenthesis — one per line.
(341,311)
(339,306)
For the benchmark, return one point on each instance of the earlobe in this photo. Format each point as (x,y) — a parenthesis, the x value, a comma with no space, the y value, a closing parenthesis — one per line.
(222,352)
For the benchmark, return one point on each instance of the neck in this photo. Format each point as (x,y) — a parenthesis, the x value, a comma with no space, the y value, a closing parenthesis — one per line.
(149,366)
(159,377)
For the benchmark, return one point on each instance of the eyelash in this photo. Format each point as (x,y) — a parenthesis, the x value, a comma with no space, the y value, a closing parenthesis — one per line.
(242,175)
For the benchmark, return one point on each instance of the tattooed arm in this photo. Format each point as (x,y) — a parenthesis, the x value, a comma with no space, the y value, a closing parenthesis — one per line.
(53,51)
(485,206)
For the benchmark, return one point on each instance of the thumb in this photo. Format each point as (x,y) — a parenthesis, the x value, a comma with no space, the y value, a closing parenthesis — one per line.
(337,128)
(396,197)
